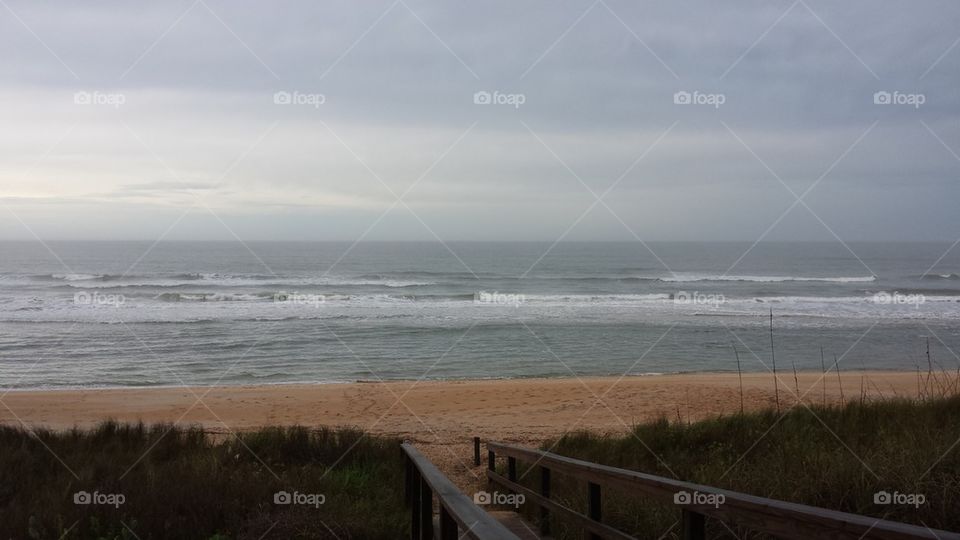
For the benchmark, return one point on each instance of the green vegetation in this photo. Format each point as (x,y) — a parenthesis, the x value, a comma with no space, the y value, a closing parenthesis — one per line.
(184,483)
(830,457)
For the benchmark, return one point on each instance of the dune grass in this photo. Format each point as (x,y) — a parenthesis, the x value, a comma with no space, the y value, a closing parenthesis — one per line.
(834,457)
(184,483)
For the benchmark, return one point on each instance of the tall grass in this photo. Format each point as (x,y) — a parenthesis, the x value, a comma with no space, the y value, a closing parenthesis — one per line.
(184,483)
(833,457)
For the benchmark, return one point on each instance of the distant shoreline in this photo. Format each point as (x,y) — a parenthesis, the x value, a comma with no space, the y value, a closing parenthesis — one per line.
(781,373)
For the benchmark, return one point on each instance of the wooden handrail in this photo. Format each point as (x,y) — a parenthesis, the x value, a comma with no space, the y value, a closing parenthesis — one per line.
(457,511)
(780,518)
(595,527)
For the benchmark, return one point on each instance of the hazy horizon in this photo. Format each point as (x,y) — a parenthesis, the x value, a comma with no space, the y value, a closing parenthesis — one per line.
(458,241)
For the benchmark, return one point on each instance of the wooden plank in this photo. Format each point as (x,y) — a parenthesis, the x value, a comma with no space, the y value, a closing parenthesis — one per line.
(470,518)
(605,531)
(783,519)
(515,523)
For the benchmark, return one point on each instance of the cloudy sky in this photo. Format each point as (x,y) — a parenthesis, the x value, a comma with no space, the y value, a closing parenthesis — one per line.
(456,120)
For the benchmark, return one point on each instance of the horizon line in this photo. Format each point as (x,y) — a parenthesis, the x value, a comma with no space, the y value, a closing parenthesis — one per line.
(464,241)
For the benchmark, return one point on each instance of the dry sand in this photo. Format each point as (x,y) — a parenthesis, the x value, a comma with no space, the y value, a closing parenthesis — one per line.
(443,416)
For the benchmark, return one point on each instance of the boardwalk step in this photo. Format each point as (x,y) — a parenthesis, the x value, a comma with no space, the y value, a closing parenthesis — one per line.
(517,525)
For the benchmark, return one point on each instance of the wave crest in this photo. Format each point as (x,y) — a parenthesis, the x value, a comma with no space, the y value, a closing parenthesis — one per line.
(679,278)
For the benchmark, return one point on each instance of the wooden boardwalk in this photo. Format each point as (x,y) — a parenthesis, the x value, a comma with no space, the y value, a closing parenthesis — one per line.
(516,524)
(459,517)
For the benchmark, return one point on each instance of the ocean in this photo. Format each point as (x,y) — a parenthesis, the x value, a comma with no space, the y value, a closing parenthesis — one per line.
(132,314)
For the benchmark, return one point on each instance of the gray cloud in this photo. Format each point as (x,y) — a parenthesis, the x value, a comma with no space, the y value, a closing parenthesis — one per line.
(198,119)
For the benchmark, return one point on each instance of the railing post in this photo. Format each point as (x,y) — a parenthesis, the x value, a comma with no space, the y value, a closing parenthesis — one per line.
(694,527)
(426,510)
(476,451)
(407,480)
(512,472)
(448,527)
(491,465)
(545,492)
(594,509)
(414,503)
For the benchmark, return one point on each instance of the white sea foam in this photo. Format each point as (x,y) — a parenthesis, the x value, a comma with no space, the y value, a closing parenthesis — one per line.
(77,277)
(366,308)
(218,280)
(766,279)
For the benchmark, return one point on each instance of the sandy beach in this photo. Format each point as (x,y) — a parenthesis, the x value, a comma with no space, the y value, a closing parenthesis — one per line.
(438,411)
(444,415)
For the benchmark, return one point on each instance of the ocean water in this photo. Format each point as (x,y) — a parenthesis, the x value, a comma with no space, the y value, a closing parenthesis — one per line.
(105,314)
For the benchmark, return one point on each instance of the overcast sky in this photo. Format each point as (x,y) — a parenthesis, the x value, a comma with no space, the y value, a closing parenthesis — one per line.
(209,119)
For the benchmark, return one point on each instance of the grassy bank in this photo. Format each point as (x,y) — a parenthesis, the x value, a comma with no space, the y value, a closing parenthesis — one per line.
(183,483)
(831,457)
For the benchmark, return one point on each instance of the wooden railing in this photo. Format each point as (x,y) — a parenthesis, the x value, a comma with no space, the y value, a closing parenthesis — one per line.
(779,518)
(459,516)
